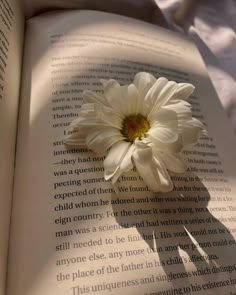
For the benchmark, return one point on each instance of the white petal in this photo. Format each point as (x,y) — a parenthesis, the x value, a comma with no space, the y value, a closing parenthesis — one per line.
(104,82)
(150,169)
(116,175)
(144,81)
(95,114)
(134,102)
(164,126)
(108,116)
(117,96)
(75,138)
(74,142)
(87,121)
(143,157)
(173,162)
(125,165)
(163,117)
(183,91)
(165,94)
(164,134)
(92,97)
(153,93)
(114,158)
(102,138)
(112,92)
(171,147)
(190,131)
(87,109)
(74,124)
(165,180)
(181,108)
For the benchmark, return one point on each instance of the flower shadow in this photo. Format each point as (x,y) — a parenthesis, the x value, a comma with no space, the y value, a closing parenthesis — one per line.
(181,229)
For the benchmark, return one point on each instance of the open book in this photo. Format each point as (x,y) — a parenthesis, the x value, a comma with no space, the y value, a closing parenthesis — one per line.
(66,230)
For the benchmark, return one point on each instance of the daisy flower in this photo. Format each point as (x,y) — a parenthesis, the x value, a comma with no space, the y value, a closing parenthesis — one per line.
(144,125)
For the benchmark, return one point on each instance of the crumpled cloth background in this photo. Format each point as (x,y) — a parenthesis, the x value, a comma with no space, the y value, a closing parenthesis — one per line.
(211,26)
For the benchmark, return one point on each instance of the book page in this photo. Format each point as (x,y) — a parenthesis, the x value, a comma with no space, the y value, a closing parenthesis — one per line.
(11,43)
(147,11)
(71,232)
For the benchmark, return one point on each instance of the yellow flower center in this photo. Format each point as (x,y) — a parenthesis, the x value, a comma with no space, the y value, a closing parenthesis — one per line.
(135,126)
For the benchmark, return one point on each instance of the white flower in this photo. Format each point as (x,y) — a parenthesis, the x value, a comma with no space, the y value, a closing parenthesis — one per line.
(145,124)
